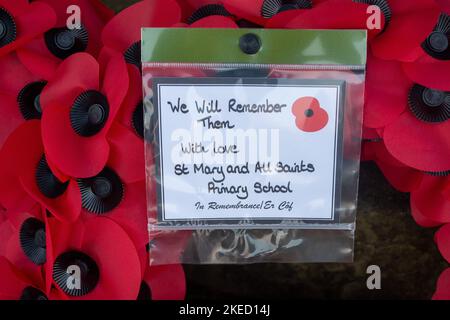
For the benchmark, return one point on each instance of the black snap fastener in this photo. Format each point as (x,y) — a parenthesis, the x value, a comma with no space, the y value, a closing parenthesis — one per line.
(438,42)
(250,43)
(433,98)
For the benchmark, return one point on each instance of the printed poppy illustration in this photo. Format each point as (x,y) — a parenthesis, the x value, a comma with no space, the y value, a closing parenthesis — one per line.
(309,115)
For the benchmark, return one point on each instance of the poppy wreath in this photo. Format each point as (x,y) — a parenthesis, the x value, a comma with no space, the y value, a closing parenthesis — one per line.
(72,180)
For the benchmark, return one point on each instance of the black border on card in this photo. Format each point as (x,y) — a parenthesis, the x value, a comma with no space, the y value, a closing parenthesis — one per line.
(259,223)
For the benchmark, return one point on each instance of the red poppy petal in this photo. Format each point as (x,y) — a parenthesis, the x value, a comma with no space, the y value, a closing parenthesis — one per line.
(429,72)
(114,85)
(429,200)
(443,286)
(215,22)
(340,14)
(401,7)
(31,22)
(421,145)
(125,28)
(74,155)
(144,258)
(11,285)
(403,178)
(12,156)
(166,282)
(441,237)
(283,18)
(133,98)
(445,5)
(10,117)
(403,38)
(80,71)
(387,89)
(421,219)
(131,214)
(127,154)
(36,58)
(117,258)
(6,232)
(14,75)
(247,9)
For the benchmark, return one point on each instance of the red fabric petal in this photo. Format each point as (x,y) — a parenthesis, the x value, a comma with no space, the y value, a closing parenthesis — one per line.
(401,7)
(127,154)
(443,286)
(31,21)
(74,155)
(76,74)
(430,202)
(215,22)
(11,117)
(11,285)
(166,282)
(421,145)
(421,219)
(444,5)
(442,237)
(12,157)
(36,57)
(6,232)
(125,28)
(387,89)
(111,248)
(429,72)
(340,14)
(14,75)
(115,84)
(403,38)
(247,9)
(133,98)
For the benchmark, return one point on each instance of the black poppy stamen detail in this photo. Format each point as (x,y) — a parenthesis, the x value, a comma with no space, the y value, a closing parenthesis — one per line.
(133,55)
(384,7)
(29,100)
(76,263)
(102,193)
(89,113)
(145,293)
(63,42)
(32,294)
(208,10)
(437,44)
(32,240)
(8,29)
(137,119)
(438,173)
(272,7)
(47,182)
(429,105)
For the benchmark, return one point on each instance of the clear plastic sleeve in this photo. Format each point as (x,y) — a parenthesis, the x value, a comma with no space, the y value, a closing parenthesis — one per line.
(311,182)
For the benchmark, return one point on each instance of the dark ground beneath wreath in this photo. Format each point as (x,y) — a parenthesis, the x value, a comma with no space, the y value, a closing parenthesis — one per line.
(386,236)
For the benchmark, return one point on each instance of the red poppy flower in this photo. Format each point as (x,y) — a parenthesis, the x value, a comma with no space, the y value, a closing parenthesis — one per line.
(43,55)
(430,202)
(416,129)
(443,286)
(101,253)
(401,177)
(79,107)
(15,286)
(207,14)
(331,14)
(29,176)
(166,282)
(19,94)
(21,21)
(410,27)
(123,32)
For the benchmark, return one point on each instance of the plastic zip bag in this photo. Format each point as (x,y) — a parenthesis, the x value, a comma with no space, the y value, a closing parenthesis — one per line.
(252,143)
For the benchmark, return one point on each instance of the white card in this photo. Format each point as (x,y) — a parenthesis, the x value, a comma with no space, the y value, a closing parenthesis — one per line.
(233,151)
